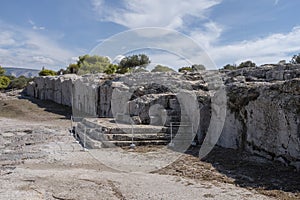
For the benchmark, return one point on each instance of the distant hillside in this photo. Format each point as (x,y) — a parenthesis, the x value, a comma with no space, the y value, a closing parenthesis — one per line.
(21,72)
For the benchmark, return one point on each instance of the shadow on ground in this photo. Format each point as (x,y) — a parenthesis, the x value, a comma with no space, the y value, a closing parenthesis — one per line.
(51,107)
(271,177)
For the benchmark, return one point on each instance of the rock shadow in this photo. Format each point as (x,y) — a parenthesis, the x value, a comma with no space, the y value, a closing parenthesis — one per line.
(50,106)
(251,171)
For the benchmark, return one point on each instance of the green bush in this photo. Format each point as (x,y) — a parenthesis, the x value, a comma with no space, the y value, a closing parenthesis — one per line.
(4,82)
(130,63)
(2,71)
(47,72)
(230,67)
(111,69)
(161,68)
(189,69)
(198,67)
(19,83)
(246,64)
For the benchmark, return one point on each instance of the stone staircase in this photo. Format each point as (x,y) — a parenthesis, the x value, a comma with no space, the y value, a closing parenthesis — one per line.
(104,132)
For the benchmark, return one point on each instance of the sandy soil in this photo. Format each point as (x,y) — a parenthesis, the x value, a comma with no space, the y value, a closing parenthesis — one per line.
(40,159)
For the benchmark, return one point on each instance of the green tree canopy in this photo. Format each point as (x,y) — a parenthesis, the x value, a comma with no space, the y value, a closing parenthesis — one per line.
(92,64)
(111,69)
(47,72)
(161,68)
(87,64)
(4,82)
(182,69)
(230,67)
(295,59)
(2,71)
(198,67)
(131,62)
(73,68)
(247,64)
(139,69)
(19,83)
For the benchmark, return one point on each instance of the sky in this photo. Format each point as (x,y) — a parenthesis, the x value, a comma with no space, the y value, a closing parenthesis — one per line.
(53,33)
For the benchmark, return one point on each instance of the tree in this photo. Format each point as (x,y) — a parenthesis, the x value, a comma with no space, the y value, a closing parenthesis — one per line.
(2,71)
(161,68)
(87,64)
(19,83)
(61,72)
(92,64)
(4,82)
(230,67)
(139,70)
(198,67)
(295,59)
(111,69)
(73,68)
(47,72)
(129,63)
(247,64)
(182,69)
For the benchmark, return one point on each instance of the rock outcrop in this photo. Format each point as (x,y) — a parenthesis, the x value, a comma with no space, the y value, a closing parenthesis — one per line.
(57,89)
(259,110)
(263,114)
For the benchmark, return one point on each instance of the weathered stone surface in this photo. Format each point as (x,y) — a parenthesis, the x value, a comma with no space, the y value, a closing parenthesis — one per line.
(262,108)
(85,97)
(57,89)
(264,116)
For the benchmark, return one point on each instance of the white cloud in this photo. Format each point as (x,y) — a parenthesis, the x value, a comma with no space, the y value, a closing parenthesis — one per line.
(269,49)
(153,13)
(169,15)
(42,59)
(207,36)
(34,27)
(26,48)
(192,17)
(6,38)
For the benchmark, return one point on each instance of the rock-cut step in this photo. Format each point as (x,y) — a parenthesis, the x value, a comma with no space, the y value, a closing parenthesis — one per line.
(137,143)
(137,137)
(104,132)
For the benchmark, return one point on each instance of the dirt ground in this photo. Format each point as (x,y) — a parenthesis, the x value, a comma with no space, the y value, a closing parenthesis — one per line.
(40,159)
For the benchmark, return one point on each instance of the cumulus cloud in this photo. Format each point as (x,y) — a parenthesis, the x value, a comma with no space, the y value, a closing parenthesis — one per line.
(208,35)
(6,38)
(169,15)
(269,49)
(153,13)
(26,48)
(192,17)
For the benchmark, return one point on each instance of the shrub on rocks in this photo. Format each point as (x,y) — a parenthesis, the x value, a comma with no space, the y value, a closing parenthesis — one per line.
(4,82)
(47,72)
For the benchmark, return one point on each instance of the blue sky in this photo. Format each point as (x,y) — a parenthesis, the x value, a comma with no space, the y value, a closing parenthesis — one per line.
(52,33)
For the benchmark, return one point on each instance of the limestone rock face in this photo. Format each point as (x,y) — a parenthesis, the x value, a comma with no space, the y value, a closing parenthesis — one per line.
(273,122)
(57,89)
(263,115)
(259,111)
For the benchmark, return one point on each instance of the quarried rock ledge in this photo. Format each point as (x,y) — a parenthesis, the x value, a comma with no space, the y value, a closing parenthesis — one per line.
(262,109)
